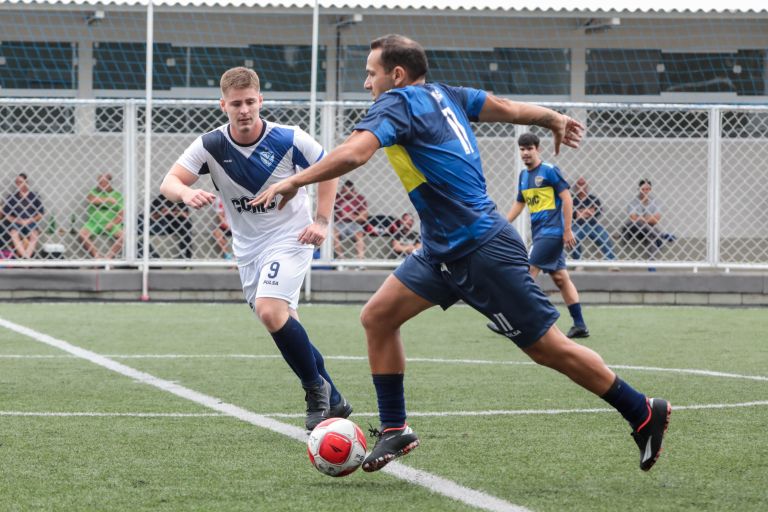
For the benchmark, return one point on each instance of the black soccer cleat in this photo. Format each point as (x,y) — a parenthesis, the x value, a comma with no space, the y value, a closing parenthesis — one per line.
(391,443)
(578,332)
(495,328)
(650,434)
(341,410)
(318,404)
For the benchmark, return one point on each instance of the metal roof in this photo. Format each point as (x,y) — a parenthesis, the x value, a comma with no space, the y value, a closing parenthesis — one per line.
(557,6)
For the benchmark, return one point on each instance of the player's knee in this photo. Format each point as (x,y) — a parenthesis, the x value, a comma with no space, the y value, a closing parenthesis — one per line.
(539,354)
(368,317)
(373,317)
(551,349)
(272,318)
(560,278)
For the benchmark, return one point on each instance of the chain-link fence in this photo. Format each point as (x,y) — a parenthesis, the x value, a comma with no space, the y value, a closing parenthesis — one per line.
(653,185)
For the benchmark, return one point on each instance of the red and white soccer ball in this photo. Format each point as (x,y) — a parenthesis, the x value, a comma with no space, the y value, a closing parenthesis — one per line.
(336,447)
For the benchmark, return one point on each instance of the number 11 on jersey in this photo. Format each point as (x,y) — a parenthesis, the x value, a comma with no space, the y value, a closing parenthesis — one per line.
(458,129)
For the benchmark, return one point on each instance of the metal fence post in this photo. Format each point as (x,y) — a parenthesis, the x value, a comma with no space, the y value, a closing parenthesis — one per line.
(522,222)
(327,135)
(130,179)
(713,188)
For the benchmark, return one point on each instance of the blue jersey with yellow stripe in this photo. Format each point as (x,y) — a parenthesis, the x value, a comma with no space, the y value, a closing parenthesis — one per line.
(539,189)
(427,137)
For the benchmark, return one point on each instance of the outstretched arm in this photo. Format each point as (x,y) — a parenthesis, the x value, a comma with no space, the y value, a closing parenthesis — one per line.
(351,154)
(565,130)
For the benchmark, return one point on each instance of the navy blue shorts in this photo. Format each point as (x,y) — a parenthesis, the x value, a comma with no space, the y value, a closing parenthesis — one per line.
(547,254)
(494,280)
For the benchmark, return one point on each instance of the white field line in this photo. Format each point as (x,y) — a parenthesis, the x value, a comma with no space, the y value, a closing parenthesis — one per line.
(536,412)
(427,480)
(688,371)
(417,414)
(116,414)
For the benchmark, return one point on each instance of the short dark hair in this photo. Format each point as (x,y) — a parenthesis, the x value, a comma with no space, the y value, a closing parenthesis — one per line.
(528,139)
(397,50)
(644,181)
(22,175)
(348,184)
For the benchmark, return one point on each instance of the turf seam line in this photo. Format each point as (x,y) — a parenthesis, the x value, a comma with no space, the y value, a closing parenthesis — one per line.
(490,412)
(691,371)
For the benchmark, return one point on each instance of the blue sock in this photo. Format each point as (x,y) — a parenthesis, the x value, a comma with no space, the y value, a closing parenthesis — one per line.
(575,311)
(320,364)
(294,344)
(391,397)
(629,402)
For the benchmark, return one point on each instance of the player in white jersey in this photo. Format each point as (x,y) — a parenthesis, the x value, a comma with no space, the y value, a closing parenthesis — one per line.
(273,247)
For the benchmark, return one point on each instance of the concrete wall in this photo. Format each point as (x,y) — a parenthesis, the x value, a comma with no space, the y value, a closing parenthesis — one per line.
(661,288)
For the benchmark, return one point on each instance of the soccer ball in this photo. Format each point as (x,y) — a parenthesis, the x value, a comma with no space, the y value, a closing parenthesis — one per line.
(336,447)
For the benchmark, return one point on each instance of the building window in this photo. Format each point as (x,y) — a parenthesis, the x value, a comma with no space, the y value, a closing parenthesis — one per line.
(518,71)
(637,72)
(623,72)
(283,68)
(32,65)
(741,72)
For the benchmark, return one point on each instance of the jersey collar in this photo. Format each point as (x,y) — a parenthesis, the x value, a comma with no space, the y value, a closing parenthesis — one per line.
(258,139)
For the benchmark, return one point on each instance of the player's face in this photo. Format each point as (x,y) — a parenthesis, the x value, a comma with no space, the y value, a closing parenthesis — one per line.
(645,190)
(242,107)
(530,156)
(377,80)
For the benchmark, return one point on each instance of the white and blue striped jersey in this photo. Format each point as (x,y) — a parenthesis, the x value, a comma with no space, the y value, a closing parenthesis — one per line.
(239,173)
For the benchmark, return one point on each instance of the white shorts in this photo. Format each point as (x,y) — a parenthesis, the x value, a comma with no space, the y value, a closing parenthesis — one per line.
(277,273)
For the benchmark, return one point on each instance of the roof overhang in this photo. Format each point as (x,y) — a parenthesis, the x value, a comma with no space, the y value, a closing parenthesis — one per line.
(542,6)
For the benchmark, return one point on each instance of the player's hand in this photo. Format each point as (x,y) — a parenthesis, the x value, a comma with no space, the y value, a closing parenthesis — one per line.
(285,188)
(197,198)
(315,233)
(569,132)
(569,241)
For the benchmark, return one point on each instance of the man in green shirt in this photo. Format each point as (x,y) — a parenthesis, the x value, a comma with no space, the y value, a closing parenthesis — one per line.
(105,215)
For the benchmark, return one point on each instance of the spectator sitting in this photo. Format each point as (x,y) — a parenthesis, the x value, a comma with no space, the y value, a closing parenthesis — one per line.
(5,238)
(222,232)
(23,210)
(587,210)
(105,215)
(405,239)
(168,218)
(350,216)
(644,216)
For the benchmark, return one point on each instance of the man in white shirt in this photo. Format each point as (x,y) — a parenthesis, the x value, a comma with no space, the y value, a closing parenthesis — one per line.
(273,248)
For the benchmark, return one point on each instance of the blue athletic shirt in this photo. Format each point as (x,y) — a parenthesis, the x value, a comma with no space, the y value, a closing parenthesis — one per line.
(426,135)
(539,188)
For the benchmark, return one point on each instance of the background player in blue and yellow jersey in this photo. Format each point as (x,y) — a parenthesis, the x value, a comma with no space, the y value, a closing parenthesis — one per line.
(470,252)
(543,189)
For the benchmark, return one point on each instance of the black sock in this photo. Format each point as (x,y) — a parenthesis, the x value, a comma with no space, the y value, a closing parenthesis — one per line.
(575,311)
(320,363)
(629,402)
(294,344)
(391,397)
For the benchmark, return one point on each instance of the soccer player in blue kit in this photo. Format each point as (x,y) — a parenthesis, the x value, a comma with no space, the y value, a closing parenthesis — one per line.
(543,189)
(470,252)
